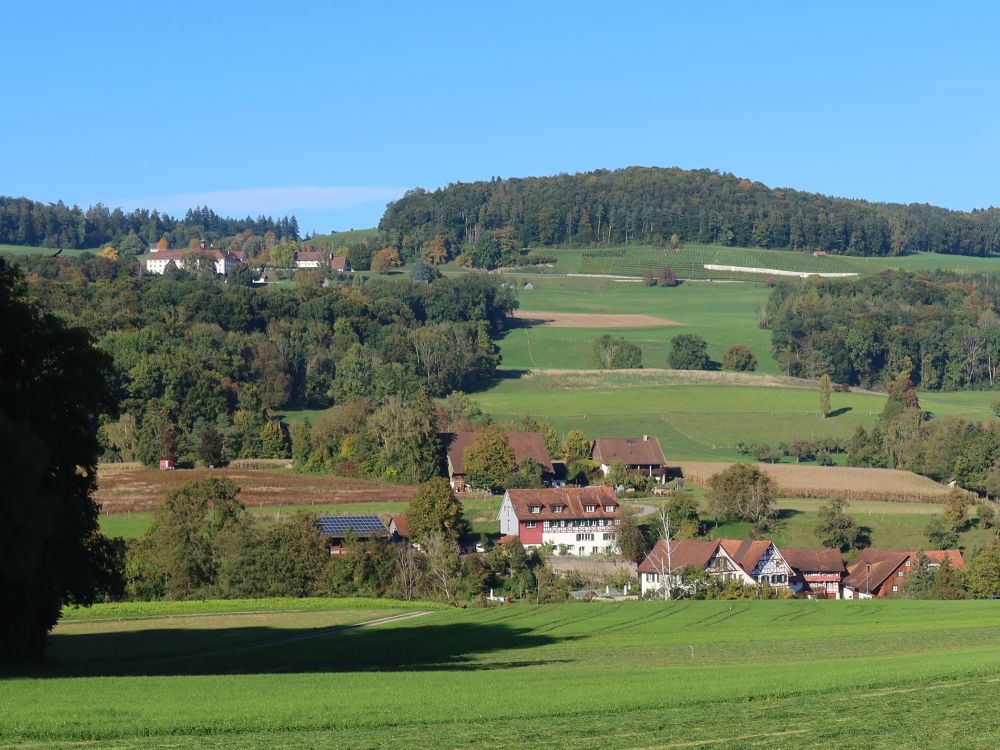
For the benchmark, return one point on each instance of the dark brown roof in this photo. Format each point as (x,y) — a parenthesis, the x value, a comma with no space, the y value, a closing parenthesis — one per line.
(307,255)
(525,445)
(745,553)
(872,567)
(819,560)
(574,500)
(644,451)
(683,553)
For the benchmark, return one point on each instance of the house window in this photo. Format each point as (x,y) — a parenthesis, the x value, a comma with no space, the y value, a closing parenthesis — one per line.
(899,573)
(545,524)
(529,524)
(895,589)
(907,563)
(536,508)
(590,508)
(609,509)
(584,537)
(606,537)
(558,508)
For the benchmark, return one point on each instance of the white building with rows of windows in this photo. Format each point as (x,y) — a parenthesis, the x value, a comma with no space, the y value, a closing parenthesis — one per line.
(574,520)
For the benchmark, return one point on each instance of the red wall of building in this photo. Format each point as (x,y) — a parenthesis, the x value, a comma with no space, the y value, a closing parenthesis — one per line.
(529,536)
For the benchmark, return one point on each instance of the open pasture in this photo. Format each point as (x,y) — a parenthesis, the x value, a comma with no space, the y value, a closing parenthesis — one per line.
(785,674)
(589,320)
(723,314)
(699,420)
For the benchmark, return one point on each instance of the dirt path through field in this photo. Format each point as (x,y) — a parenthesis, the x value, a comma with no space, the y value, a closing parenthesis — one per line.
(592,320)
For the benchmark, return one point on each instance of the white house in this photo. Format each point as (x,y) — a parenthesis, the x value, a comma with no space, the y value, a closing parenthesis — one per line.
(750,563)
(224,261)
(575,520)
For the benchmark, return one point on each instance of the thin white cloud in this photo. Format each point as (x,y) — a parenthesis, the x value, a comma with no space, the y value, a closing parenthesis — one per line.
(274,201)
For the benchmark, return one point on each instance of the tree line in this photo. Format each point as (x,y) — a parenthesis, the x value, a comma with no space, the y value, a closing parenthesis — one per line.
(491,222)
(197,362)
(939,329)
(56,225)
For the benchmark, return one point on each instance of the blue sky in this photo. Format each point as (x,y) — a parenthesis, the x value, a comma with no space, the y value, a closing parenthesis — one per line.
(328,112)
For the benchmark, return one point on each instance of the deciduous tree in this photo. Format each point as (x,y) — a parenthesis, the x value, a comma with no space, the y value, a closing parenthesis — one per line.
(435,511)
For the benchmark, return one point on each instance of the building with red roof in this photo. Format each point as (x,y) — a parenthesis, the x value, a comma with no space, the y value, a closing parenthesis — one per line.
(574,520)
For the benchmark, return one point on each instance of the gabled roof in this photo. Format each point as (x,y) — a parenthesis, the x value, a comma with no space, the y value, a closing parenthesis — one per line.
(401,525)
(308,255)
(181,254)
(525,445)
(819,560)
(683,554)
(938,556)
(872,567)
(631,451)
(745,552)
(339,263)
(573,499)
(364,526)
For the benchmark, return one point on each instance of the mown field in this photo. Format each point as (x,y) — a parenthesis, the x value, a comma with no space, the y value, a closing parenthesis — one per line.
(694,417)
(28,250)
(633,260)
(629,676)
(723,314)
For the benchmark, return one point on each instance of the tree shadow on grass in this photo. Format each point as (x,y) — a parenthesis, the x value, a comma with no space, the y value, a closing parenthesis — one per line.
(255,650)
(839,412)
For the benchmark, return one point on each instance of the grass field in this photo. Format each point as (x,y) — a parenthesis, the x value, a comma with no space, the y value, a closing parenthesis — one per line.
(696,420)
(633,260)
(26,250)
(481,513)
(632,676)
(723,314)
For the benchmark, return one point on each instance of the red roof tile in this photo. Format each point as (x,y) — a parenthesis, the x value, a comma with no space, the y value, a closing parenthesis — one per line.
(525,445)
(819,560)
(644,451)
(683,554)
(573,500)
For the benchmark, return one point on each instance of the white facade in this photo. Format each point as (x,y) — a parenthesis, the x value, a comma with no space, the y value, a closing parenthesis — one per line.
(224,263)
(571,535)
(307,264)
(720,566)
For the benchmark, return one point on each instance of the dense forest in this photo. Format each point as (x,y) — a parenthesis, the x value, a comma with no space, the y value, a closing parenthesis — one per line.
(56,225)
(939,329)
(199,365)
(641,204)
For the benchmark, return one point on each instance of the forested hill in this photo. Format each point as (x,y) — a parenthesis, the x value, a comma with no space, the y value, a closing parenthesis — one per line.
(27,222)
(643,204)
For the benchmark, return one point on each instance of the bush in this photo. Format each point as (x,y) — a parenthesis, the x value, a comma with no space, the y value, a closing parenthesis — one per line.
(689,352)
(739,357)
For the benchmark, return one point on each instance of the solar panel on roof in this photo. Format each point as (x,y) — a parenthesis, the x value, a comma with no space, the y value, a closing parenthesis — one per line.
(362,525)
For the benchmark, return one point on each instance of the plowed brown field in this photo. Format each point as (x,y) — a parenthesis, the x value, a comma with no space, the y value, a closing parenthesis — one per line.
(120,490)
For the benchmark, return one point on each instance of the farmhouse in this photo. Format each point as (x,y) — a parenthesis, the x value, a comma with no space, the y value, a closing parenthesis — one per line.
(815,572)
(399,528)
(337,528)
(224,260)
(308,259)
(524,444)
(639,454)
(340,263)
(881,573)
(575,520)
(748,562)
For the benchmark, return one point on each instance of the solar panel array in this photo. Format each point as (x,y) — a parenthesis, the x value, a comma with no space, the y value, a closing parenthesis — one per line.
(337,526)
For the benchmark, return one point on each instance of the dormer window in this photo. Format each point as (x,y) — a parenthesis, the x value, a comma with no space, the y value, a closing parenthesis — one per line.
(536,508)
(609,509)
(590,508)
(558,508)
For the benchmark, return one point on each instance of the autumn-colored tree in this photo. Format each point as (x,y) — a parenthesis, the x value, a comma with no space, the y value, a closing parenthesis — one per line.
(163,244)
(489,459)
(954,509)
(824,394)
(435,252)
(385,260)
(434,510)
(194,243)
(576,446)
(667,276)
(109,253)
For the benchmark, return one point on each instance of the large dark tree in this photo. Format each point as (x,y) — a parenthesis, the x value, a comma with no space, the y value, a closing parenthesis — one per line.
(53,384)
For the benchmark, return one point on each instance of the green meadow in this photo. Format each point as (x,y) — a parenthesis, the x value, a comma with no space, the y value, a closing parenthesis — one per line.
(28,250)
(629,676)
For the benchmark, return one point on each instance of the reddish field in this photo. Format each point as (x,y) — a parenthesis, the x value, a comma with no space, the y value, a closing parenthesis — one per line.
(120,490)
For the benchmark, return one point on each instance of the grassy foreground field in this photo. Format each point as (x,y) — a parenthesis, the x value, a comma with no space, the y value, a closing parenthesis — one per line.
(632,676)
